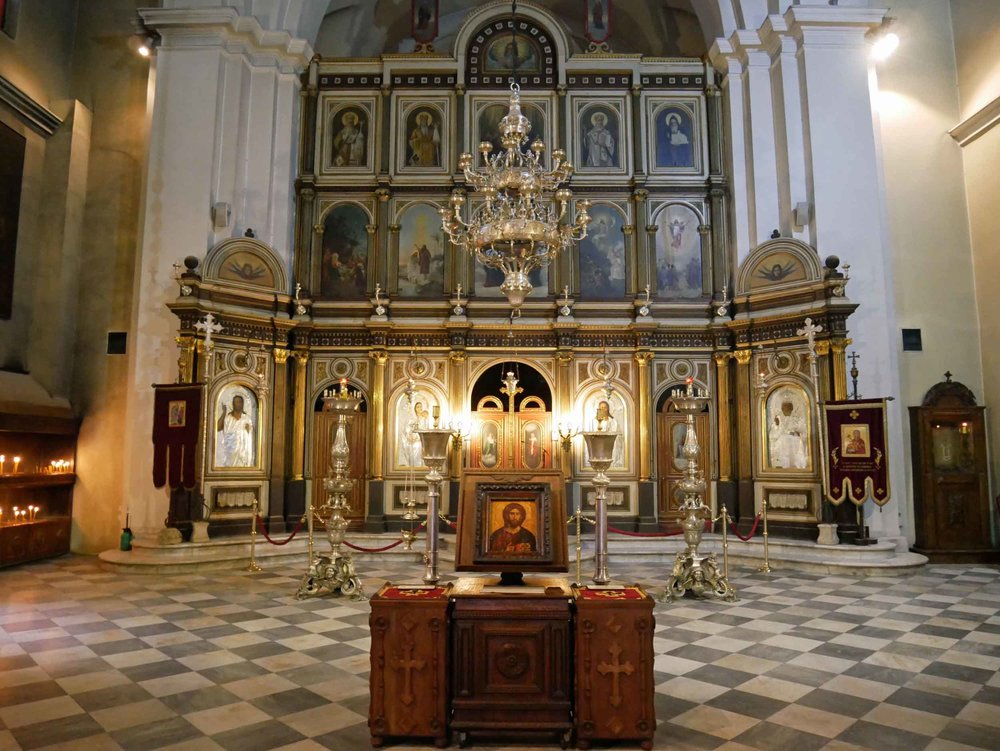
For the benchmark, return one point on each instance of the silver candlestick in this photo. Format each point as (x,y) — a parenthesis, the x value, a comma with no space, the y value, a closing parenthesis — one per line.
(434,444)
(600,451)
(335,571)
(693,572)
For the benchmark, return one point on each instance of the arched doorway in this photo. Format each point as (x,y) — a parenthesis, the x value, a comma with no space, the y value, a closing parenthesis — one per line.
(512,407)
(670,461)
(324,422)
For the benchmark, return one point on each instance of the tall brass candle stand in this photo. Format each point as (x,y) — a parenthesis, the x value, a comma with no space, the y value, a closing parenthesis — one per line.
(434,444)
(600,451)
(693,572)
(335,571)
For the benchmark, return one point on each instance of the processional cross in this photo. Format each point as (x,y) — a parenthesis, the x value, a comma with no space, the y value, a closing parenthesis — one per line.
(616,668)
(408,664)
(208,326)
(809,331)
(510,387)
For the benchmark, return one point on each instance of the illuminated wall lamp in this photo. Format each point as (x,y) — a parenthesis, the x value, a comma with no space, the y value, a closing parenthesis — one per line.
(884,42)
(143,44)
(564,434)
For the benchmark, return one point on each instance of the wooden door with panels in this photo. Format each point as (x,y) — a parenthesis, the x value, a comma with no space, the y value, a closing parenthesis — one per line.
(324,425)
(671,427)
(518,441)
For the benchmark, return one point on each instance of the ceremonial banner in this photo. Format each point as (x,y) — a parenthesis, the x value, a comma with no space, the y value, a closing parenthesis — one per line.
(176,429)
(857,461)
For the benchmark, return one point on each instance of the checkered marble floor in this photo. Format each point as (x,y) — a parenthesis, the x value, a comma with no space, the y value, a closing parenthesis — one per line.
(94,660)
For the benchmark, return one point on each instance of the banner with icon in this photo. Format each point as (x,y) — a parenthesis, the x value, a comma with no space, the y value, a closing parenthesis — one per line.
(857,454)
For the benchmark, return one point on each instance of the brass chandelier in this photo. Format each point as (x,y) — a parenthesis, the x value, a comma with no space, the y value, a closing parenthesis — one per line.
(522,222)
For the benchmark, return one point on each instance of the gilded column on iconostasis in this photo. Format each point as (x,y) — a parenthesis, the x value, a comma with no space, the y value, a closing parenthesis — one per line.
(564,396)
(838,349)
(823,367)
(381,271)
(645,416)
(724,414)
(456,395)
(377,410)
(299,420)
(376,262)
(304,232)
(744,405)
(185,358)
(641,258)
(279,415)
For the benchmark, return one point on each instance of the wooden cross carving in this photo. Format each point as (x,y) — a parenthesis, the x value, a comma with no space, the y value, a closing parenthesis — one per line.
(408,664)
(616,668)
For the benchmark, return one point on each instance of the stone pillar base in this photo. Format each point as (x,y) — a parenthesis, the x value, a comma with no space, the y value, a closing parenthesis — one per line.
(827,535)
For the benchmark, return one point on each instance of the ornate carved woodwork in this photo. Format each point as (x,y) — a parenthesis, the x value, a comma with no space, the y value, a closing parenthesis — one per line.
(950,480)
(512,658)
(409,676)
(614,665)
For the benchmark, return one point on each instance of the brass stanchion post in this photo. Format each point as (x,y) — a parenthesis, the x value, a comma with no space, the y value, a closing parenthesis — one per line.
(725,543)
(253,568)
(766,568)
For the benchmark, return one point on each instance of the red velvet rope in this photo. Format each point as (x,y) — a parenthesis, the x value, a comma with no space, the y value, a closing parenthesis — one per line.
(451,524)
(708,527)
(753,529)
(390,546)
(263,531)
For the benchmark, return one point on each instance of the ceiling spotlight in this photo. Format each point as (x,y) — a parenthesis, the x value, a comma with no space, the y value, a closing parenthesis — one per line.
(885,45)
(143,44)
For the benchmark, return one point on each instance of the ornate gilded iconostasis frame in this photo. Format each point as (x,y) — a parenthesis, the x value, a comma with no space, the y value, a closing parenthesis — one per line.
(371,292)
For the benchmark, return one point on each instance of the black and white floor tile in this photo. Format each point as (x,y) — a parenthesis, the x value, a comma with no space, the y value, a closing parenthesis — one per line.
(93,660)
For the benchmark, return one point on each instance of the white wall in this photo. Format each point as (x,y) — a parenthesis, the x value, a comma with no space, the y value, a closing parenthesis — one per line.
(929,242)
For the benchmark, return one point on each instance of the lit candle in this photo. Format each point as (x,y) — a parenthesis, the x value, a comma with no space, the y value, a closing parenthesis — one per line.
(343,386)
(1,517)
(16,514)
(17,462)
(3,460)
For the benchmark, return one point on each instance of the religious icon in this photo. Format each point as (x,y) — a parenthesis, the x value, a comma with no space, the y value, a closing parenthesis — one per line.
(601,132)
(424,20)
(344,266)
(674,137)
(854,441)
(602,254)
(424,129)
(349,126)
(678,252)
(236,427)
(532,447)
(508,51)
(787,428)
(514,525)
(177,414)
(410,419)
(597,22)
(607,414)
(421,252)
(489,452)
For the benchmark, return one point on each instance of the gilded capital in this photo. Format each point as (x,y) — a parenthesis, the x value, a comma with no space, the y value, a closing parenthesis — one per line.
(721,358)
(640,194)
(652,228)
(371,228)
(280,355)
(643,358)
(383,194)
(564,358)
(301,358)
(381,357)
(458,357)
(822,347)
(628,229)
(840,345)
(743,356)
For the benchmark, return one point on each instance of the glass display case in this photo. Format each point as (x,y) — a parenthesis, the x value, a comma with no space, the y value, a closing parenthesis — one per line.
(37,473)
(950,483)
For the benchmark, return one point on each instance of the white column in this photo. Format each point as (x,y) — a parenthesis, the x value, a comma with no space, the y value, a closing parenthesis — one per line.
(764,211)
(849,217)
(217,134)
(726,61)
(792,186)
